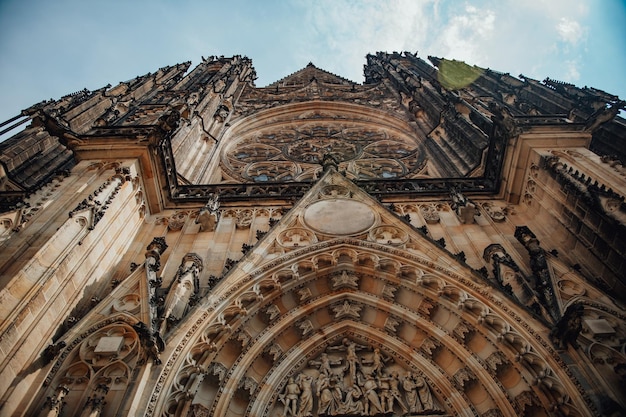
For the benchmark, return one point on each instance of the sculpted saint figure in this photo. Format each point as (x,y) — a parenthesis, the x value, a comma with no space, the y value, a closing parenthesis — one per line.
(372,402)
(393,395)
(410,390)
(425,396)
(306,396)
(290,398)
(329,394)
(352,360)
(352,403)
(324,364)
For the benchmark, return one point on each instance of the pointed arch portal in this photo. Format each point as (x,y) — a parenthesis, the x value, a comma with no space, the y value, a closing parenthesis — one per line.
(350,318)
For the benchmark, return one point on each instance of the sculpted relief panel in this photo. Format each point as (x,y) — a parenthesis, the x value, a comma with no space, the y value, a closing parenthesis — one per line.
(353,379)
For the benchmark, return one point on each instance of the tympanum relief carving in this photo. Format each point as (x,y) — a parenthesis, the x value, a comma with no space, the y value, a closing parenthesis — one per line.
(353,379)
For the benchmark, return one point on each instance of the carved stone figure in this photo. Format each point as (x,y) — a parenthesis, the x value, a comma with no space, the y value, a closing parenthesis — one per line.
(372,401)
(464,208)
(329,394)
(568,328)
(324,364)
(183,287)
(348,378)
(353,404)
(352,359)
(394,393)
(209,214)
(424,394)
(410,393)
(290,398)
(306,395)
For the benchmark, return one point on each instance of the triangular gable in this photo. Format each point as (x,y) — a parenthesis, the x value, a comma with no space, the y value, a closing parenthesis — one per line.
(338,273)
(308,74)
(336,208)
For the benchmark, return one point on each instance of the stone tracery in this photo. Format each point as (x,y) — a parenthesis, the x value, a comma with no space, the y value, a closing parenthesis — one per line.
(294,150)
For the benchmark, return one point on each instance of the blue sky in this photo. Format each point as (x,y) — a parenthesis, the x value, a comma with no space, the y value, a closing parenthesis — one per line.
(52,48)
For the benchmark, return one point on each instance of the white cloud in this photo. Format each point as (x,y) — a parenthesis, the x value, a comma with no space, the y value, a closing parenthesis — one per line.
(346,31)
(465,34)
(572,73)
(570,31)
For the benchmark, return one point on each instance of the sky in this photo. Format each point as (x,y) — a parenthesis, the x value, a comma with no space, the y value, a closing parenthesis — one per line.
(52,48)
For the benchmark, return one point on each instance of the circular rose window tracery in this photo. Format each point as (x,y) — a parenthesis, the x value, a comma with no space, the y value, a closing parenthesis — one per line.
(294,151)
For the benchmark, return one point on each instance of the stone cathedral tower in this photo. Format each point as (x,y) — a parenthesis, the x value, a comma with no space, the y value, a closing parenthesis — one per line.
(442,239)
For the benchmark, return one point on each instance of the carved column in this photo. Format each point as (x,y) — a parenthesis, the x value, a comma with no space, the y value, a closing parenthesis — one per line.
(183,291)
(149,333)
(54,404)
(95,403)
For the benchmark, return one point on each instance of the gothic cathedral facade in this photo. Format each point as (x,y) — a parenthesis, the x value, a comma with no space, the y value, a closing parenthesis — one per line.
(441,239)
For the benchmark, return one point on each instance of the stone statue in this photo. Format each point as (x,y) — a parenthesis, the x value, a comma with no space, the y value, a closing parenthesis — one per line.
(410,393)
(290,398)
(463,207)
(372,401)
(424,394)
(394,393)
(353,361)
(183,288)
(353,403)
(377,362)
(324,364)
(306,395)
(329,395)
(209,214)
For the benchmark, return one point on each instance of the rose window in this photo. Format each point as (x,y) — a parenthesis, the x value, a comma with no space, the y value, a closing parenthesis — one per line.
(295,153)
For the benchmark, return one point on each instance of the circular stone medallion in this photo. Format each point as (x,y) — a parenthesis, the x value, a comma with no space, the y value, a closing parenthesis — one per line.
(339,216)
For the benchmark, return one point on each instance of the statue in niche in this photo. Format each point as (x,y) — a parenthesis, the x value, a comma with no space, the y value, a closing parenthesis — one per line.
(221,113)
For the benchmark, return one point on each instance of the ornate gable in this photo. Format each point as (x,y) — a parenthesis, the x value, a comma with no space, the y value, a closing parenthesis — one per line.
(344,309)
(309,74)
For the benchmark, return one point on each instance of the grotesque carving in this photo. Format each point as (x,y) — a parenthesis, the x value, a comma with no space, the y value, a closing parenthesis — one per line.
(463,207)
(209,215)
(567,329)
(430,214)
